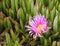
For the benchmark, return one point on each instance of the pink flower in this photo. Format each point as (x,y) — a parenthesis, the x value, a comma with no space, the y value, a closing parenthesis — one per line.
(38,25)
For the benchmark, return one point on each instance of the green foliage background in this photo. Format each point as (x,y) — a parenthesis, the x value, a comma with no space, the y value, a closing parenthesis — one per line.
(14,16)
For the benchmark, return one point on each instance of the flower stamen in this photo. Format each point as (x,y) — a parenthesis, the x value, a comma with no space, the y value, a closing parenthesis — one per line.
(40,26)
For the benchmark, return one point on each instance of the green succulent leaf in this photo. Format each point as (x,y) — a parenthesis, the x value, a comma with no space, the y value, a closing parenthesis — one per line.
(16,43)
(14,36)
(54,43)
(20,15)
(59,7)
(55,24)
(45,42)
(16,5)
(58,43)
(9,43)
(13,4)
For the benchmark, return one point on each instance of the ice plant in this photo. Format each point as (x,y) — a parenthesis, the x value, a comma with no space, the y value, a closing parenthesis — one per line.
(38,25)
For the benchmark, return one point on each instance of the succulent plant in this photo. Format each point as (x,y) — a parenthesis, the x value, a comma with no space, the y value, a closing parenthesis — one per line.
(15,15)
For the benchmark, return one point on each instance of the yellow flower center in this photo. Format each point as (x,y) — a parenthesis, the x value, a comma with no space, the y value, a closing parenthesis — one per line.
(39,27)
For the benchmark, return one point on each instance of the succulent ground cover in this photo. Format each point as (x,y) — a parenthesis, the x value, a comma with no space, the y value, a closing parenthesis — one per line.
(15,16)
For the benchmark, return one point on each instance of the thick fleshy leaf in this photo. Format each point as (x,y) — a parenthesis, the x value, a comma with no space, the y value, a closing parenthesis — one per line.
(20,15)
(9,43)
(55,23)
(59,7)
(16,5)
(14,36)
(58,43)
(54,43)
(16,43)
(13,4)
(45,42)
